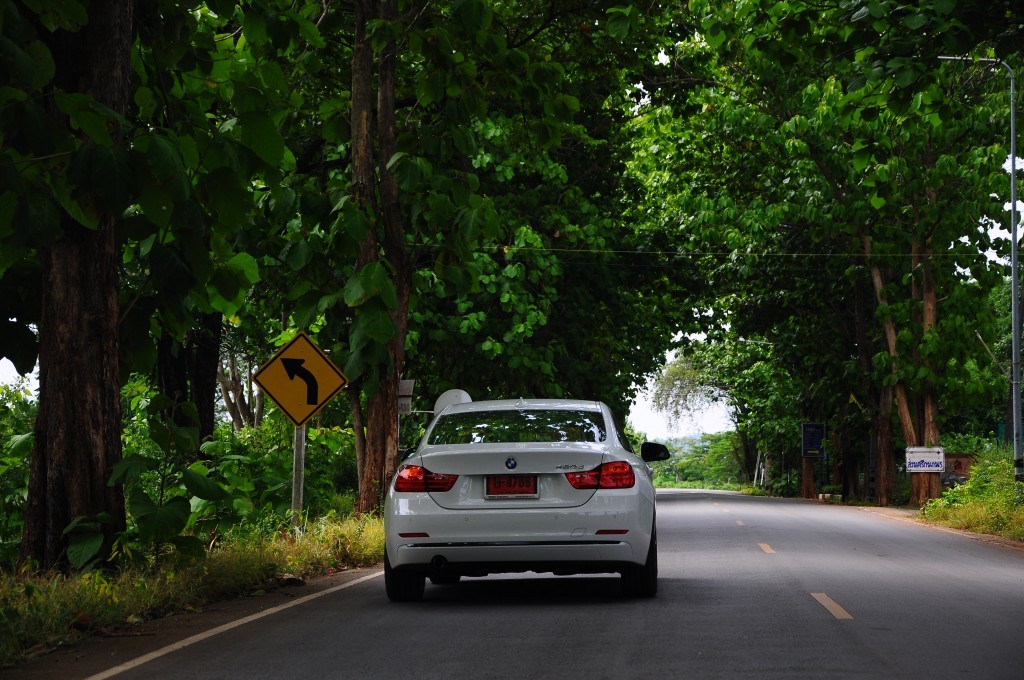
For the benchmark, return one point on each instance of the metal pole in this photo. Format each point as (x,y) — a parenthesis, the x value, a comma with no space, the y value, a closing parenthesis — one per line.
(298,474)
(1018,456)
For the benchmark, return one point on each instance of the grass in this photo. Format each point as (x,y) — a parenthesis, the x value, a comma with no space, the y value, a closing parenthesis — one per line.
(39,612)
(990,502)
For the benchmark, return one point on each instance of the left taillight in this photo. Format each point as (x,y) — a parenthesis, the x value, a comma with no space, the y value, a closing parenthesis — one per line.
(615,475)
(417,479)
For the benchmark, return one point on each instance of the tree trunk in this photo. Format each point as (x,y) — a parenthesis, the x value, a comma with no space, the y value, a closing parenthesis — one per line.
(364,182)
(78,428)
(394,247)
(928,485)
(381,447)
(902,401)
(885,471)
(187,372)
(807,478)
(205,359)
(232,392)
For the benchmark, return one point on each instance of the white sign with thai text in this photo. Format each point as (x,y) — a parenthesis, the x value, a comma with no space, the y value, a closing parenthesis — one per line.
(926,459)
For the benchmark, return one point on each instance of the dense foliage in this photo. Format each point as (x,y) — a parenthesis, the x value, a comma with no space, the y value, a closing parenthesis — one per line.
(706,462)
(989,502)
(529,198)
(839,195)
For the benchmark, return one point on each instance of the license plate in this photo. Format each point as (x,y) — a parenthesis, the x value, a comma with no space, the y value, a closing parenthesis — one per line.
(512,486)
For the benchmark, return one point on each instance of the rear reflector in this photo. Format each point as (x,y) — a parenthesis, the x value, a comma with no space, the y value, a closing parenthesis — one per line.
(615,475)
(601,532)
(417,534)
(416,479)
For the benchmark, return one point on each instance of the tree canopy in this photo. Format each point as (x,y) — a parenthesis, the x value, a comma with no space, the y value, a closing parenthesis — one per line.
(530,197)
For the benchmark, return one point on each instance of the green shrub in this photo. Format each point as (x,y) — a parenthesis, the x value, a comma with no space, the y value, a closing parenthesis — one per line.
(990,501)
(17,420)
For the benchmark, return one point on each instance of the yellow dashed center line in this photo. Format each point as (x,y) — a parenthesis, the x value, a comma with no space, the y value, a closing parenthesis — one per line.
(833,608)
(767,548)
(739,522)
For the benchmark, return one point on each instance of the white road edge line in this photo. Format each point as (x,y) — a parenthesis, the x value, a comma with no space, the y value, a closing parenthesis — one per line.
(199,637)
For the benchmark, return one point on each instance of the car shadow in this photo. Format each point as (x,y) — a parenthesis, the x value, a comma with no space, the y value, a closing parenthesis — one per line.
(529,589)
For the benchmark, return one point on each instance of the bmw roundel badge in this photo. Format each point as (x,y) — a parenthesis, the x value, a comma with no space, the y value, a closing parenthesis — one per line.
(511,463)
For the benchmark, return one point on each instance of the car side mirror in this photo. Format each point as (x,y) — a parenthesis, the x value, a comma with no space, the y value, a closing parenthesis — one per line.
(652,451)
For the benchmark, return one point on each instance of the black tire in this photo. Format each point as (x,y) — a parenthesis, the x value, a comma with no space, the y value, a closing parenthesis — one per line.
(402,586)
(642,580)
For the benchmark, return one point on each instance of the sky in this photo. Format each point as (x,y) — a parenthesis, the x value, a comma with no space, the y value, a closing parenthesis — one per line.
(644,418)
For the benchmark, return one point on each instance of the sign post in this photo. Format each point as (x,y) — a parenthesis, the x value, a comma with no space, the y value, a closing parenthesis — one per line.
(812,446)
(298,473)
(300,379)
(926,465)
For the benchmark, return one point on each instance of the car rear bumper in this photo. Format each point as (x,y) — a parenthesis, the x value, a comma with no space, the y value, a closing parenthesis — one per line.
(421,536)
(480,559)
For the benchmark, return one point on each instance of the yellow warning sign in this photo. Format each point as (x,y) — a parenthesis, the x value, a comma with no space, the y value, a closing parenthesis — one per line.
(300,379)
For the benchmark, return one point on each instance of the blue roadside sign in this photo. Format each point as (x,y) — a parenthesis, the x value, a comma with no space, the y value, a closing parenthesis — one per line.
(812,445)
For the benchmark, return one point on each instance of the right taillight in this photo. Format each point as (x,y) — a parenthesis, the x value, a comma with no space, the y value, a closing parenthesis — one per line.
(615,475)
(417,479)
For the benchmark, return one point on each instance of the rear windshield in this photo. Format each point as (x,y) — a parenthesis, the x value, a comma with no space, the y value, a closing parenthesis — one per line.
(490,427)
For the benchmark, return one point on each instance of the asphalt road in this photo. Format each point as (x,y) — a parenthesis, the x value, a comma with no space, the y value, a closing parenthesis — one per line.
(749,588)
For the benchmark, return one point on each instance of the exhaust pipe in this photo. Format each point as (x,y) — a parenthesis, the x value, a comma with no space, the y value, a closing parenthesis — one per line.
(439,562)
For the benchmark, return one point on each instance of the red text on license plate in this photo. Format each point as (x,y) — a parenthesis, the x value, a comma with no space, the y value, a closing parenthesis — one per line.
(512,485)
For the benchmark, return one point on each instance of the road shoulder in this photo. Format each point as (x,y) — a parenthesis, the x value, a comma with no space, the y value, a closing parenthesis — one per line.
(95,654)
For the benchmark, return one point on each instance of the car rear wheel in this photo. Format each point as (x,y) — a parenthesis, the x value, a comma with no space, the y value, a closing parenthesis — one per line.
(402,586)
(642,580)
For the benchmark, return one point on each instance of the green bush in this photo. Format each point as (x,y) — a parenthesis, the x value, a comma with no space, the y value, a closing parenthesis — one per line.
(17,420)
(990,501)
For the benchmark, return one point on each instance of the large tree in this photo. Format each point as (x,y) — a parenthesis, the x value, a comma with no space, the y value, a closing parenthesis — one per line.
(77,433)
(847,193)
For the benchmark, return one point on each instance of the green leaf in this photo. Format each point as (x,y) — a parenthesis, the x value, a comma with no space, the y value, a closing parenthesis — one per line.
(189,546)
(371,281)
(201,486)
(298,256)
(130,469)
(159,522)
(157,205)
(87,115)
(20,445)
(245,265)
(472,15)
(84,545)
(164,161)
(254,27)
(915,21)
(105,170)
(308,30)
(145,99)
(86,214)
(619,21)
(376,322)
(260,133)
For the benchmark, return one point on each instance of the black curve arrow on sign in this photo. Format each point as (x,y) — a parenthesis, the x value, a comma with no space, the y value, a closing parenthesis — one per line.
(295,369)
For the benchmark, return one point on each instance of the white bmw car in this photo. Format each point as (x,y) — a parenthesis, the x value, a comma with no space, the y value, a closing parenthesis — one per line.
(512,486)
